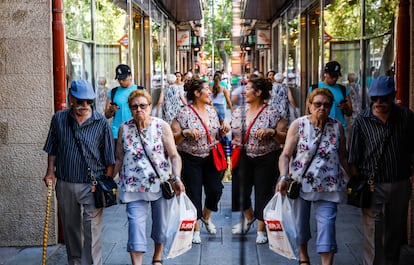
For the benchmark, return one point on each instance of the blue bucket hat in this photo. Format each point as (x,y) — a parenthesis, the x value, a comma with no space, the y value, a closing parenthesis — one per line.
(81,89)
(381,86)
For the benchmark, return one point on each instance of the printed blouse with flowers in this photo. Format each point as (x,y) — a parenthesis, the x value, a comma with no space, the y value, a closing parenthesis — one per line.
(137,174)
(324,174)
(279,99)
(255,147)
(189,120)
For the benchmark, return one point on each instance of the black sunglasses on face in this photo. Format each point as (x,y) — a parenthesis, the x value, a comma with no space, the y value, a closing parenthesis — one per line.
(80,101)
(382,98)
(318,104)
(141,106)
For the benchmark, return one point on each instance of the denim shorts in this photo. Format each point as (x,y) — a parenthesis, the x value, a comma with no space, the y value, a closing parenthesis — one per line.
(220,111)
(137,212)
(325,215)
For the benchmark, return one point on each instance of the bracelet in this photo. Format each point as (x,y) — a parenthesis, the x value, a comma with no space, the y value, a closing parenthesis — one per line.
(274,133)
(175,178)
(285,178)
(182,134)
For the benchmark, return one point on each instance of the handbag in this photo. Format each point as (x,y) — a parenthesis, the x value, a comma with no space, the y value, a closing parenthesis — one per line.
(358,192)
(166,186)
(217,152)
(105,191)
(235,154)
(104,188)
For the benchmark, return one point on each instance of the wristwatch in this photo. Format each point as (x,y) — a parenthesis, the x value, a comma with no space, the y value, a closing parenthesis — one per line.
(286,178)
(175,178)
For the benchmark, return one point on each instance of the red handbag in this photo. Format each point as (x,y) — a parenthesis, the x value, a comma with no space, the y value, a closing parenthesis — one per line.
(235,153)
(217,152)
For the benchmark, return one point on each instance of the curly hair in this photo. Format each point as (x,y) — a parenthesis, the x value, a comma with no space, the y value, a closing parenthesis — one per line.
(262,84)
(321,91)
(192,85)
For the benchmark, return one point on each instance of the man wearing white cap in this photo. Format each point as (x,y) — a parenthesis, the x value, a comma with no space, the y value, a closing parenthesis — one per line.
(79,144)
(381,151)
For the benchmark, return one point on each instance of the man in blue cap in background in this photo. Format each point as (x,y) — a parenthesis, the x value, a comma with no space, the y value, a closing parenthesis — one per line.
(79,144)
(381,149)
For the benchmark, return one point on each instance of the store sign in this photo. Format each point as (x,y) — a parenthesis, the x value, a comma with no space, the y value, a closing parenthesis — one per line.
(183,40)
(263,40)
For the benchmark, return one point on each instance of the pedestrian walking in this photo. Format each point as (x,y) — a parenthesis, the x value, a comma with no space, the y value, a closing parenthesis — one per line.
(79,145)
(381,149)
(313,155)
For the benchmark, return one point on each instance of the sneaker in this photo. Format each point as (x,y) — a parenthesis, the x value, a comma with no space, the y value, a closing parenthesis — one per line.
(210,227)
(261,237)
(196,237)
(243,227)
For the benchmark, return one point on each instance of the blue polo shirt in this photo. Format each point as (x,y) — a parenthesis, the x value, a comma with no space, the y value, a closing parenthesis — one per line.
(95,138)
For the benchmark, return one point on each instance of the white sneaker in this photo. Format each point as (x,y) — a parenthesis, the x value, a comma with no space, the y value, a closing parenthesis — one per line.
(261,237)
(210,227)
(243,227)
(196,237)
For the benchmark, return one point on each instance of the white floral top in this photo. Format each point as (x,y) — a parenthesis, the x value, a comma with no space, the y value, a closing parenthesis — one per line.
(137,174)
(172,102)
(189,120)
(255,147)
(324,174)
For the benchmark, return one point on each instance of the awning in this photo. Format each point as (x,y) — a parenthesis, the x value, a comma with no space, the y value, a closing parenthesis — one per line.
(264,10)
(181,10)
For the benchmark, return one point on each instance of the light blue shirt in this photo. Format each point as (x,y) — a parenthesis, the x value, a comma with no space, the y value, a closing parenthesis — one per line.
(123,113)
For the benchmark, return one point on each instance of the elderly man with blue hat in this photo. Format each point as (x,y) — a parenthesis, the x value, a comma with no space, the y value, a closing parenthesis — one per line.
(79,145)
(381,152)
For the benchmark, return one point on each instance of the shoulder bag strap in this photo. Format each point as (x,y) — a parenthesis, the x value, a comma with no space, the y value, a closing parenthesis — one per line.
(316,151)
(246,136)
(205,127)
(146,154)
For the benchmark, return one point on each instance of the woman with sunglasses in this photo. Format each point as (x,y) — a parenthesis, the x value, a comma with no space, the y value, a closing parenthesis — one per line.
(195,150)
(143,165)
(313,155)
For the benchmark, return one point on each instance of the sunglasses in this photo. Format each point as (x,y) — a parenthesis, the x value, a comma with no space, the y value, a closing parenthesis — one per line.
(382,98)
(80,101)
(318,104)
(136,106)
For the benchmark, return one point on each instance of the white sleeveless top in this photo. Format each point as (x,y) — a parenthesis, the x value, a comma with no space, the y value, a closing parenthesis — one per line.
(137,178)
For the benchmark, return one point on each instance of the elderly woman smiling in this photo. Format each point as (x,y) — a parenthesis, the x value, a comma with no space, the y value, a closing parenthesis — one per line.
(313,155)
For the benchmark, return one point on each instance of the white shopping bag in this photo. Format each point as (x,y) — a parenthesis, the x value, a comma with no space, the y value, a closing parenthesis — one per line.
(180,226)
(280,225)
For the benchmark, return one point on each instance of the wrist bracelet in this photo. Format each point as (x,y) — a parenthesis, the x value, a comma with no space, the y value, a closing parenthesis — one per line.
(285,178)
(175,178)
(182,134)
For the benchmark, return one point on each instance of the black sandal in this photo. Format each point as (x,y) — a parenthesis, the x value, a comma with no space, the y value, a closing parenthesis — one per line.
(156,261)
(304,262)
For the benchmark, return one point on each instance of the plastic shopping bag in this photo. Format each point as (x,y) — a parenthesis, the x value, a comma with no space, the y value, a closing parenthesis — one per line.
(180,226)
(280,226)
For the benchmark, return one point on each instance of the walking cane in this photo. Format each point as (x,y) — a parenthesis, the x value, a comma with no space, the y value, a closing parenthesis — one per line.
(46,230)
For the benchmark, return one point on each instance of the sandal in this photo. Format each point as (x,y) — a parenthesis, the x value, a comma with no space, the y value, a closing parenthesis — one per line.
(196,237)
(210,227)
(304,262)
(243,227)
(261,237)
(157,261)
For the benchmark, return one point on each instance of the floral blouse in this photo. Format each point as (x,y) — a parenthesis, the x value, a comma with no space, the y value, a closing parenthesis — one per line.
(324,174)
(137,174)
(268,118)
(172,102)
(189,120)
(279,99)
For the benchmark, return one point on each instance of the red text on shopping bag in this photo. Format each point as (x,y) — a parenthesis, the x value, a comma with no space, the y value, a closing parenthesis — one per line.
(274,225)
(187,225)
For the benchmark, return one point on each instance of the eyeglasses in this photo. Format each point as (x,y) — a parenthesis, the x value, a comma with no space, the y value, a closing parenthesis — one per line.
(318,104)
(382,98)
(80,101)
(141,106)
